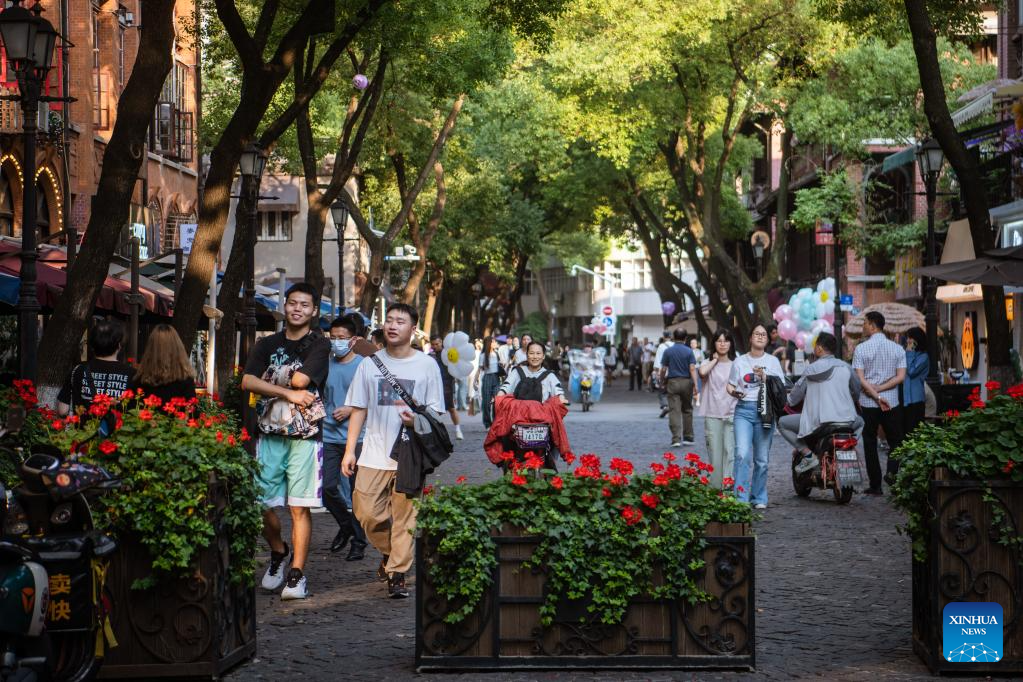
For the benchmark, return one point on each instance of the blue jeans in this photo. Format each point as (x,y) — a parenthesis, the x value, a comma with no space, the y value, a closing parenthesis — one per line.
(752,450)
(491,382)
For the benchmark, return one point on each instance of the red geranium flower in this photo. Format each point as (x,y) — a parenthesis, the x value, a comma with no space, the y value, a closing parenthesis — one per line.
(1009,466)
(622,466)
(692,457)
(145,415)
(591,461)
(704,480)
(428,490)
(128,395)
(58,425)
(569,458)
(606,492)
(728,480)
(108,447)
(245,435)
(992,385)
(518,479)
(220,436)
(631,515)
(669,457)
(192,424)
(661,479)
(557,483)
(656,467)
(153,401)
(460,479)
(231,441)
(650,500)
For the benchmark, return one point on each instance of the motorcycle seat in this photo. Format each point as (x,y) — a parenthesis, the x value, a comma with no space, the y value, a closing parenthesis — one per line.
(830,429)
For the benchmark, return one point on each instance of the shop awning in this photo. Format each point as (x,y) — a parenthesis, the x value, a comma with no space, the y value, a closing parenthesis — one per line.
(284,188)
(959,293)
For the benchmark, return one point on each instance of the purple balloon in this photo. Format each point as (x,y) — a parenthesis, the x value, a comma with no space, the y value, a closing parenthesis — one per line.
(668,308)
(360,81)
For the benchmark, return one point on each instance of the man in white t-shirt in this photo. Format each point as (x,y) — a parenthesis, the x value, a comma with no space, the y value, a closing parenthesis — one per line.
(388,517)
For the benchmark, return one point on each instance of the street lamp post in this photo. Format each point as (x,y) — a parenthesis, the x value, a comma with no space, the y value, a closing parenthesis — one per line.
(477,293)
(250,165)
(758,254)
(28,40)
(339,212)
(930,157)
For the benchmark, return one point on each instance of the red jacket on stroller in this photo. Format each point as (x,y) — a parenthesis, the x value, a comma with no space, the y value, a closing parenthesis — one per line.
(508,411)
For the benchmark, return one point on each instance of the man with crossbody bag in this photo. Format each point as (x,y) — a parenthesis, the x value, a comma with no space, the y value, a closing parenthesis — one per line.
(287,371)
(388,516)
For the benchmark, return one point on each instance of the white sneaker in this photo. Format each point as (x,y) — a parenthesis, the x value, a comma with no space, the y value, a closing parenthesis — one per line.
(676,443)
(295,589)
(760,506)
(275,572)
(458,433)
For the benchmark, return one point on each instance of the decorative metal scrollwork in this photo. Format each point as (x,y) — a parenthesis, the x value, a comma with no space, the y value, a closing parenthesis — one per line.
(728,611)
(573,638)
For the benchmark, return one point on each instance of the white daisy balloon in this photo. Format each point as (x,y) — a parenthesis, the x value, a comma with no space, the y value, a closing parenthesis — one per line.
(458,354)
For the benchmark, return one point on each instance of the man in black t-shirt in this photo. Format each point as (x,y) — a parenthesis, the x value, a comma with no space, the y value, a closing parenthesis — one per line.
(104,374)
(287,370)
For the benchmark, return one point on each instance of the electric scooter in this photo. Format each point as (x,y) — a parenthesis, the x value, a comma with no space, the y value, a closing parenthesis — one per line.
(52,561)
(838,467)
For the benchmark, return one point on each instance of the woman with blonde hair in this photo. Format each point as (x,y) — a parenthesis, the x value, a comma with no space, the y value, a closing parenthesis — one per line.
(164,370)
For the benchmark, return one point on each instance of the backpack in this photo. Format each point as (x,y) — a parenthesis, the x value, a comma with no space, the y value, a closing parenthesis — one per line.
(530,388)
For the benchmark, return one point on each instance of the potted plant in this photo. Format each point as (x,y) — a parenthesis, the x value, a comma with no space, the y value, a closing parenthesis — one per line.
(589,568)
(960,485)
(186,519)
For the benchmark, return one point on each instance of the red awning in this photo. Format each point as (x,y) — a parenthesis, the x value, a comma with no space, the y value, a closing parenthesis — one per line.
(51,281)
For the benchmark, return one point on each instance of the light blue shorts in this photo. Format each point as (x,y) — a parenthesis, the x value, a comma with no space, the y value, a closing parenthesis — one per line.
(290,468)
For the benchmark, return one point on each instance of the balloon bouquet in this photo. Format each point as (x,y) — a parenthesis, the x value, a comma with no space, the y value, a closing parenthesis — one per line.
(589,366)
(808,313)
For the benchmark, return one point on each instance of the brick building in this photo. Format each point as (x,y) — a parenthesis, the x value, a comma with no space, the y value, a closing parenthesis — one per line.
(73,137)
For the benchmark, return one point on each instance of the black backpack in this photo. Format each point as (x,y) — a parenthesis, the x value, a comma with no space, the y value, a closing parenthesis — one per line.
(530,388)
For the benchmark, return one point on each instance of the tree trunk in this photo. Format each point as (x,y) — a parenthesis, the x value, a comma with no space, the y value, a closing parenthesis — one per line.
(316,215)
(229,299)
(432,292)
(999,333)
(122,160)
(380,246)
(260,82)
(423,238)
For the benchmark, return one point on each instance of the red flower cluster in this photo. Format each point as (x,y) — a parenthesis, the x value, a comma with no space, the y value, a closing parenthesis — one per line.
(1015,391)
(108,447)
(518,479)
(26,392)
(145,415)
(650,500)
(673,472)
(728,481)
(975,401)
(557,483)
(589,467)
(632,515)
(1009,466)
(622,466)
(569,458)
(460,479)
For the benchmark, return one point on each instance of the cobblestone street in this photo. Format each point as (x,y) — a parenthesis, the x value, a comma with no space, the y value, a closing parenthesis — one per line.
(833,583)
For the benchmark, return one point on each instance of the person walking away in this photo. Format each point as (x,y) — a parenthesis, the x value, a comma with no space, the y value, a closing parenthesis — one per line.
(678,372)
(828,389)
(662,393)
(489,377)
(718,407)
(103,374)
(165,370)
(288,370)
(649,348)
(694,345)
(914,392)
(752,437)
(610,362)
(473,381)
(387,516)
(635,361)
(448,382)
(880,365)
(337,489)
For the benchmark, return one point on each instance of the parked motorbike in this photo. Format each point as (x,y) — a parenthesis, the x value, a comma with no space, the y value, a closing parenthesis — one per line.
(838,467)
(52,565)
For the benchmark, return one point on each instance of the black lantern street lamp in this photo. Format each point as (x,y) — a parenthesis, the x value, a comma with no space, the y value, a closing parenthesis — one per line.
(929,158)
(758,254)
(28,40)
(477,293)
(250,165)
(339,212)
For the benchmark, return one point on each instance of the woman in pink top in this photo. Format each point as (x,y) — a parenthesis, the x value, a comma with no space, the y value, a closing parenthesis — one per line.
(718,407)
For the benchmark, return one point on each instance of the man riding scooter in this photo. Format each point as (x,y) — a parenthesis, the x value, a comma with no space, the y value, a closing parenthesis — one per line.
(829,390)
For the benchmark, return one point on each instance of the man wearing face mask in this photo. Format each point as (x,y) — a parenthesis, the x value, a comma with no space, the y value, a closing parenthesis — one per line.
(344,331)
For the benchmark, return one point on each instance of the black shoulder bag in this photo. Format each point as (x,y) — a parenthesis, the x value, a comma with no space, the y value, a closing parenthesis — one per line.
(436,443)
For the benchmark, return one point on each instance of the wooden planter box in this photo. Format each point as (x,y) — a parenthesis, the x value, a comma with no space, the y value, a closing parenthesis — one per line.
(195,627)
(505,632)
(965,563)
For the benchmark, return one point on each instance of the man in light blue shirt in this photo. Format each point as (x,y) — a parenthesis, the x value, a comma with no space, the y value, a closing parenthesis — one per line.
(337,489)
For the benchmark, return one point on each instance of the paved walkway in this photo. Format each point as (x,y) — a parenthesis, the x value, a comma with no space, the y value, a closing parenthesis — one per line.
(833,583)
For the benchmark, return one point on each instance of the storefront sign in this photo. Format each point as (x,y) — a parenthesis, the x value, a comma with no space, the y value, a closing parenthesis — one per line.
(139,230)
(1008,308)
(967,346)
(824,234)
(907,284)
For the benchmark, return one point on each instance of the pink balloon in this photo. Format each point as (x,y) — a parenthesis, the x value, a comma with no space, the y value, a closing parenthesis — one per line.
(587,329)
(783,312)
(829,318)
(801,339)
(787,329)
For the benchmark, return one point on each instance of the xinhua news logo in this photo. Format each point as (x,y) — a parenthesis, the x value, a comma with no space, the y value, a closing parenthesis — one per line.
(972,632)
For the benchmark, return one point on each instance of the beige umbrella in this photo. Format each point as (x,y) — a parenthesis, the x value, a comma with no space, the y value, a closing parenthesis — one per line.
(898,318)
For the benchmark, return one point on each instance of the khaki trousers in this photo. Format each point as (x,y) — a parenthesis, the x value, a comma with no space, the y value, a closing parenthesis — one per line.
(680,403)
(387,517)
